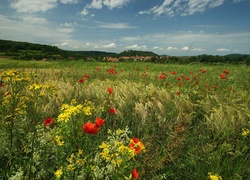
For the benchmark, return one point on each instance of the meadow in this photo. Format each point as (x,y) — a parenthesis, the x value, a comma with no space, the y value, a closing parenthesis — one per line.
(126,120)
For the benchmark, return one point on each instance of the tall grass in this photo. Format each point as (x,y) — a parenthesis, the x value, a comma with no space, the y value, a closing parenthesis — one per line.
(193,122)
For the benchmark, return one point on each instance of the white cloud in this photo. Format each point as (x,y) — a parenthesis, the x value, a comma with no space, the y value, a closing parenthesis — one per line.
(179,7)
(198,49)
(73,24)
(157,48)
(185,48)
(98,4)
(69,1)
(33,6)
(111,45)
(114,25)
(30,28)
(64,44)
(170,48)
(223,50)
(137,47)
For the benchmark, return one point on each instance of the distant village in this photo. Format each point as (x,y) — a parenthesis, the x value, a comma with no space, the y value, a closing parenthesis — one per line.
(130,58)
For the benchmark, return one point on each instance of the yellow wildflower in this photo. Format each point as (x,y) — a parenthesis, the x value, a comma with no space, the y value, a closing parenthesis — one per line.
(70,159)
(58,173)
(245,132)
(105,154)
(116,162)
(214,176)
(80,151)
(58,141)
(71,167)
(104,145)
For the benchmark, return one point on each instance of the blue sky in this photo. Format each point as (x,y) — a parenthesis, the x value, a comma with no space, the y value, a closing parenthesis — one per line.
(172,27)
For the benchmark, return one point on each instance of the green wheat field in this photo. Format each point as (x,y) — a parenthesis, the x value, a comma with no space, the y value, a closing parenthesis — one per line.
(77,120)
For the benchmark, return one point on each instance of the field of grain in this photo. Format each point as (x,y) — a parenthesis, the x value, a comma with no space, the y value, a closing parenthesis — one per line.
(127,120)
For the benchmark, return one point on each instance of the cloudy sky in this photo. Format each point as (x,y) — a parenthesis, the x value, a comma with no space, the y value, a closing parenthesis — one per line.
(172,27)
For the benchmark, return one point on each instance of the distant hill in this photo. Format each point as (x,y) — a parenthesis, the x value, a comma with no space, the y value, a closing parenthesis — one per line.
(137,53)
(237,55)
(33,48)
(15,46)
(91,53)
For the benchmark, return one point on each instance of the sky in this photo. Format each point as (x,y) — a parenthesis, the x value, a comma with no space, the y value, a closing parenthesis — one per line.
(169,27)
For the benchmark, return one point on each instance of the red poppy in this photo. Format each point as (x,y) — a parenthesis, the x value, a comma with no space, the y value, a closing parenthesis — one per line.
(86,76)
(179,78)
(161,77)
(203,71)
(180,84)
(2,85)
(187,78)
(81,80)
(90,128)
(48,121)
(112,111)
(136,145)
(223,76)
(135,174)
(97,68)
(178,93)
(213,86)
(110,90)
(173,72)
(99,122)
(226,71)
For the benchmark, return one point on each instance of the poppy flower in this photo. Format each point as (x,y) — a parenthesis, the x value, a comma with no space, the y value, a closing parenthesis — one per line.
(178,93)
(90,128)
(48,121)
(173,72)
(112,111)
(180,84)
(136,145)
(226,71)
(161,77)
(203,71)
(179,78)
(86,76)
(99,122)
(81,80)
(135,174)
(2,85)
(110,90)
(223,76)
(187,78)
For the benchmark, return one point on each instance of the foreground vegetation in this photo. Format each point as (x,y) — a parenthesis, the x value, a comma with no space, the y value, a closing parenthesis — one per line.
(90,120)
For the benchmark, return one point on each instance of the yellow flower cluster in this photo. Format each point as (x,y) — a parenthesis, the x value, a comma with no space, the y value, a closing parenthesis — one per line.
(214,176)
(75,161)
(115,150)
(15,76)
(42,88)
(59,141)
(245,132)
(67,111)
(59,173)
